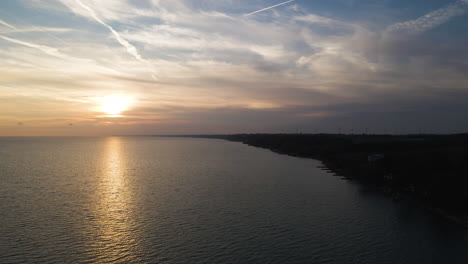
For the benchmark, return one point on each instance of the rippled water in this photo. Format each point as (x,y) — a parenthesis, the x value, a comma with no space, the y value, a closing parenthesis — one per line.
(176,200)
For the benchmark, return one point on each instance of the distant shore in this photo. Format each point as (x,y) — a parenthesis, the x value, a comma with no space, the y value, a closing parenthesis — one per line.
(431,169)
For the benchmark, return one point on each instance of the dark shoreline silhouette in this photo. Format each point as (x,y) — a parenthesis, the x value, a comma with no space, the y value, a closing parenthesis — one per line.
(431,169)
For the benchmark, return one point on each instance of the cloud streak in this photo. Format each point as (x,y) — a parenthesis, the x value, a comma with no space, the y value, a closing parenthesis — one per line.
(132,50)
(432,19)
(6,24)
(46,49)
(267,8)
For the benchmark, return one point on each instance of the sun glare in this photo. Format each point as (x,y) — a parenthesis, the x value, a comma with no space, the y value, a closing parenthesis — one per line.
(114,105)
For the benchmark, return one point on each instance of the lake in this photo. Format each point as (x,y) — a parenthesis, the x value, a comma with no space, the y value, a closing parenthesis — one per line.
(187,200)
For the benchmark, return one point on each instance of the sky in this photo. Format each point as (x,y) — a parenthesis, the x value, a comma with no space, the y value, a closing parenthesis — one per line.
(146,67)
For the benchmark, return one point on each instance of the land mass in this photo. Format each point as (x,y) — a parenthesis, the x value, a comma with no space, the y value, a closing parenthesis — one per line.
(429,168)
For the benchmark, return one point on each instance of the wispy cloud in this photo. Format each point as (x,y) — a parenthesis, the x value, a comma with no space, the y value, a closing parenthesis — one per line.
(270,7)
(6,24)
(432,19)
(132,50)
(32,29)
(46,49)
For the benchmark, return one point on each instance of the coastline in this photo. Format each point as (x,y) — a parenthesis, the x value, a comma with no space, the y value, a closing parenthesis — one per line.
(366,160)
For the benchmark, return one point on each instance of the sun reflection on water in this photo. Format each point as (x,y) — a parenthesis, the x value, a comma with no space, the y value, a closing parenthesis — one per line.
(113,226)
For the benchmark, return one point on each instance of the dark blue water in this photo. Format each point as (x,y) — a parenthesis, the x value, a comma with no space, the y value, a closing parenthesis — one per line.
(175,200)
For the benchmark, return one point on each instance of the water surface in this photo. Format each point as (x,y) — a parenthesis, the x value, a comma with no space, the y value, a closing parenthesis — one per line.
(182,200)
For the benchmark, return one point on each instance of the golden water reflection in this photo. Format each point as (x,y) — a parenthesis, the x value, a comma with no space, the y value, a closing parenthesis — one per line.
(114,228)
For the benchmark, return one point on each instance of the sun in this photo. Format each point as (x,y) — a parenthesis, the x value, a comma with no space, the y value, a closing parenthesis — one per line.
(114,105)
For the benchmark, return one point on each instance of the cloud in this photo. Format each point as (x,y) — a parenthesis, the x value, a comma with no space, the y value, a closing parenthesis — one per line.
(132,50)
(46,49)
(6,24)
(39,29)
(325,21)
(430,20)
(268,8)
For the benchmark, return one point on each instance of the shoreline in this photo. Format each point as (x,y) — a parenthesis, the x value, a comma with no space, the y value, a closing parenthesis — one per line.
(374,173)
(401,195)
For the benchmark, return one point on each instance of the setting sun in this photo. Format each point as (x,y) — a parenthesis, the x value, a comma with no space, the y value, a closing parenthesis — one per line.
(114,105)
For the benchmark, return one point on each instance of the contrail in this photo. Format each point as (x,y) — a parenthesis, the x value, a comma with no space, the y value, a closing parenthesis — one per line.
(46,49)
(34,27)
(432,19)
(6,24)
(264,9)
(132,50)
